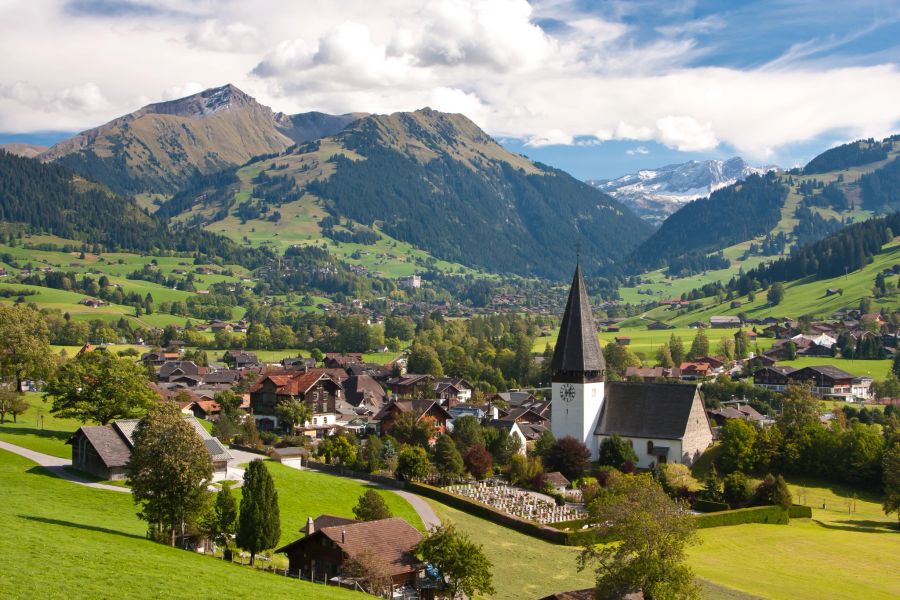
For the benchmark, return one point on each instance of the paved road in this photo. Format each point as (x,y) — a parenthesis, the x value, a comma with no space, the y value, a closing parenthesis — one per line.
(57,466)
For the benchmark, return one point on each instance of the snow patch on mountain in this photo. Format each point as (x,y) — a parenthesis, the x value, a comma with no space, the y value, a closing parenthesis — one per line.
(654,194)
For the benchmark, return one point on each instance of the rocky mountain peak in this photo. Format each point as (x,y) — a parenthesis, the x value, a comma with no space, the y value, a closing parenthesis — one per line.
(654,194)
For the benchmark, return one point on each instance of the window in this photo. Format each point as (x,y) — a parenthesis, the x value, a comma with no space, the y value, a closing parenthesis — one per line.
(649,446)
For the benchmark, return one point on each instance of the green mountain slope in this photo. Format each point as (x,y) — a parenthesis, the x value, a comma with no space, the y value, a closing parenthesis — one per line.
(435,181)
(157,148)
(50,198)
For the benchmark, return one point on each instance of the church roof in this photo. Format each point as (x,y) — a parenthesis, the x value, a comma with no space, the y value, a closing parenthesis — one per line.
(647,410)
(577,349)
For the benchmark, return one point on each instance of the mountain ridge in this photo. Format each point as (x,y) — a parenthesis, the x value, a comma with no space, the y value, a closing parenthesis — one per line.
(655,194)
(438,182)
(158,147)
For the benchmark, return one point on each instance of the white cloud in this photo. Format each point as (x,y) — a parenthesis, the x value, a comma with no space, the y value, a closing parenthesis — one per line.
(585,78)
(637,150)
(214,34)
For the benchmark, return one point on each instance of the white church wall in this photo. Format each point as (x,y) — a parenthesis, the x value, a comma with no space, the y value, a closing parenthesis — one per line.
(645,458)
(578,417)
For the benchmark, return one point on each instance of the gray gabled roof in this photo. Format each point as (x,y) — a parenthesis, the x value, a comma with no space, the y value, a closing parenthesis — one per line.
(647,410)
(108,444)
(217,451)
(577,348)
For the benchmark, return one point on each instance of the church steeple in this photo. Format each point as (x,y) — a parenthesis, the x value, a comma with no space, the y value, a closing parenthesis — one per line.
(577,356)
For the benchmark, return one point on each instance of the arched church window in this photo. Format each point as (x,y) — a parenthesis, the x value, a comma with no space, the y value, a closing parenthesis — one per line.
(649,446)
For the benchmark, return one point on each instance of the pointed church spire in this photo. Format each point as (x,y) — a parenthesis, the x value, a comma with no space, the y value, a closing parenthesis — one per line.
(577,354)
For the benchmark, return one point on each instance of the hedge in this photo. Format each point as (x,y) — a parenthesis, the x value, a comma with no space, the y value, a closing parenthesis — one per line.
(708,506)
(799,511)
(774,515)
(484,511)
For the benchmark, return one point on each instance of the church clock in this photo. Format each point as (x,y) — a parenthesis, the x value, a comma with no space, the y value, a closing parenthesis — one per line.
(567,392)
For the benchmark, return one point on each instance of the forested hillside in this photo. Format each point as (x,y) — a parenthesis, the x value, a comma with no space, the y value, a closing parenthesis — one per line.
(845,251)
(734,214)
(856,153)
(49,198)
(433,180)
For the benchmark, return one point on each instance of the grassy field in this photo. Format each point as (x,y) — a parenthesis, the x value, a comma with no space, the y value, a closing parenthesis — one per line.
(303,494)
(72,541)
(646,342)
(524,567)
(39,430)
(836,554)
(832,555)
(877,369)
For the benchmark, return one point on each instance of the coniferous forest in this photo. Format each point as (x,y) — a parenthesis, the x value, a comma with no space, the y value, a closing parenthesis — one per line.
(50,198)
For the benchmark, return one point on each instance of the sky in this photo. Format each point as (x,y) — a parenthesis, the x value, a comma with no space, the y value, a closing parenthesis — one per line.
(599,89)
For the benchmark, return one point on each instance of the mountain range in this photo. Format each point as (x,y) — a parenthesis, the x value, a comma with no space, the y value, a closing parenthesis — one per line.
(157,148)
(654,194)
(435,180)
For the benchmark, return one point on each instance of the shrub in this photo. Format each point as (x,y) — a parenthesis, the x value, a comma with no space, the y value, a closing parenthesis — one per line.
(737,492)
(773,515)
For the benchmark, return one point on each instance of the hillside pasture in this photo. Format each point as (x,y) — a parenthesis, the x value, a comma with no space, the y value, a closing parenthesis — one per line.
(73,541)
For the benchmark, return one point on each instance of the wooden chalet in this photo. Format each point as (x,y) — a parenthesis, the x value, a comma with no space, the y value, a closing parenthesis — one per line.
(316,387)
(332,544)
(420,408)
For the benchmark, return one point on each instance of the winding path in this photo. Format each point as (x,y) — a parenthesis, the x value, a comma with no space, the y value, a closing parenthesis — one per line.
(57,466)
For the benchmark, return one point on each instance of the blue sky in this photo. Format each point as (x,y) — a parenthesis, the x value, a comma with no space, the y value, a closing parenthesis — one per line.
(596,88)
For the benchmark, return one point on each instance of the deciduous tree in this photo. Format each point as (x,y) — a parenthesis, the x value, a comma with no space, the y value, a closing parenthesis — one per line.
(412,463)
(462,563)
(652,532)
(614,451)
(168,471)
(98,386)
(24,346)
(479,462)
(568,456)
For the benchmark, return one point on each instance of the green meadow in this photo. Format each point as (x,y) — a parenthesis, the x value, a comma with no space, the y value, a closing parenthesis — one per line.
(70,541)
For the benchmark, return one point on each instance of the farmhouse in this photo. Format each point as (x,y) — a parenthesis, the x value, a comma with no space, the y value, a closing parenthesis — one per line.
(104,450)
(332,543)
(725,322)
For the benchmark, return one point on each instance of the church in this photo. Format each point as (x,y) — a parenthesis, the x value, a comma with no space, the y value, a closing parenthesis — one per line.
(665,423)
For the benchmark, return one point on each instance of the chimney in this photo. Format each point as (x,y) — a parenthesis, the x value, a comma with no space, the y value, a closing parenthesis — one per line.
(495,412)
(310,526)
(343,536)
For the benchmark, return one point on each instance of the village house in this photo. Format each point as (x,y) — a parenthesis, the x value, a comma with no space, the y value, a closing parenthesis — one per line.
(421,409)
(651,374)
(331,544)
(104,450)
(725,322)
(239,359)
(363,390)
(316,388)
(411,386)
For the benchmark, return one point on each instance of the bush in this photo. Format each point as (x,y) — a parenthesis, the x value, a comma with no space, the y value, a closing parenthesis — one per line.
(737,490)
(268,438)
(773,491)
(292,441)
